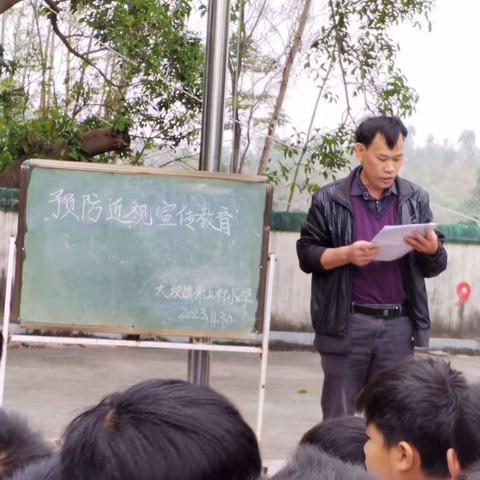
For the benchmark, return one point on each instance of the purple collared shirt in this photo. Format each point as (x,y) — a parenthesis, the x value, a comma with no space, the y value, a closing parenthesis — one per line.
(377,282)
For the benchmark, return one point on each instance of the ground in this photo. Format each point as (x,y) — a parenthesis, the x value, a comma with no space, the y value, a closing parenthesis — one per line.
(50,385)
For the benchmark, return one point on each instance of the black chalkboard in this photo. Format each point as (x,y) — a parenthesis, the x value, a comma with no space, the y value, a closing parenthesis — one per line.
(138,250)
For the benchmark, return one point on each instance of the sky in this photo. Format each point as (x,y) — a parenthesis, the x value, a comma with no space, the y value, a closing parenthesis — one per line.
(442,65)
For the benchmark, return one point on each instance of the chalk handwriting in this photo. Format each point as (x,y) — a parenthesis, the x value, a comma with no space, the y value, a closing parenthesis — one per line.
(90,208)
(140,214)
(208,316)
(209,305)
(220,296)
(65,204)
(115,210)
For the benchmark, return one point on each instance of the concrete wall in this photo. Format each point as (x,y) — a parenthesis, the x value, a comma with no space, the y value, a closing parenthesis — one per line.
(292,291)
(292,287)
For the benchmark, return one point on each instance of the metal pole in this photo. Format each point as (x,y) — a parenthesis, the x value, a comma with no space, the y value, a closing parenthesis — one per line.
(267,317)
(214,85)
(212,133)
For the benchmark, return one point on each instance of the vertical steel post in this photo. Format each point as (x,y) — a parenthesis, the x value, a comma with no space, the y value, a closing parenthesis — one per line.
(214,85)
(212,133)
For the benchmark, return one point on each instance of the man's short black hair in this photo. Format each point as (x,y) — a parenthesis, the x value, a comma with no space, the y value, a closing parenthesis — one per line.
(310,463)
(19,444)
(416,402)
(161,429)
(47,469)
(341,437)
(389,127)
(466,431)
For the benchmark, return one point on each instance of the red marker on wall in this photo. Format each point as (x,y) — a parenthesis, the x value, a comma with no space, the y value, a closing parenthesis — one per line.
(463,293)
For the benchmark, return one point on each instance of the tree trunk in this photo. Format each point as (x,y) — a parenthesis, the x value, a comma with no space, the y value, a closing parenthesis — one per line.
(267,148)
(235,74)
(43,61)
(7,4)
(4,26)
(68,66)
(94,142)
(51,94)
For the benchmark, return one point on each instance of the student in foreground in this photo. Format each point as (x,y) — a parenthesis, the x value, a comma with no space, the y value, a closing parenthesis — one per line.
(339,437)
(464,456)
(410,411)
(19,444)
(470,473)
(161,430)
(310,463)
(46,469)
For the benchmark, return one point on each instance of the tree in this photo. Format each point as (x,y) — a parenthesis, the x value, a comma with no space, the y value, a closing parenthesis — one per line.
(468,147)
(345,46)
(472,206)
(294,48)
(258,46)
(129,69)
(354,46)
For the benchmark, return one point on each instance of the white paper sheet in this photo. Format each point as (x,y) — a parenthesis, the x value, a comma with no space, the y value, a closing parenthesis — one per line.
(391,241)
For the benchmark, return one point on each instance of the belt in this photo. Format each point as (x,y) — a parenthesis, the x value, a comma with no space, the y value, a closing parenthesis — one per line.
(381,310)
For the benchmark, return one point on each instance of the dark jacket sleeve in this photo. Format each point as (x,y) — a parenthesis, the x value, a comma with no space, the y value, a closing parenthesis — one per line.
(431,265)
(314,238)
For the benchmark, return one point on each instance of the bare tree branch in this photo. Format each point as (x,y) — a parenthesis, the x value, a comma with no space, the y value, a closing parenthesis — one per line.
(307,139)
(338,43)
(267,148)
(53,17)
(7,4)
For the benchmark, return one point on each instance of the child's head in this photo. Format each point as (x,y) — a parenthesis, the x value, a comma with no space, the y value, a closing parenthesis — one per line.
(19,444)
(162,429)
(46,469)
(466,433)
(472,472)
(410,411)
(310,463)
(340,437)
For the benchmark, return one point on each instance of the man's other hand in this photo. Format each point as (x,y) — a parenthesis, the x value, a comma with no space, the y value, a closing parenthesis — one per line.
(361,253)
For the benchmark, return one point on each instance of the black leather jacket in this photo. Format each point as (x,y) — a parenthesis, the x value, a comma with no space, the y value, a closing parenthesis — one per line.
(330,224)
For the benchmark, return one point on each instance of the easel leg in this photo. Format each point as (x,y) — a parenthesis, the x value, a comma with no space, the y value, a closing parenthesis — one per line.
(6,315)
(265,343)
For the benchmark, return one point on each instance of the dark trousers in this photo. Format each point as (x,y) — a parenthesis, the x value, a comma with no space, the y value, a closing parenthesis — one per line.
(375,344)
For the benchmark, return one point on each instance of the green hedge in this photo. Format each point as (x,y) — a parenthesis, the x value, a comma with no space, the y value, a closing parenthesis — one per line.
(9,199)
(289,221)
(458,233)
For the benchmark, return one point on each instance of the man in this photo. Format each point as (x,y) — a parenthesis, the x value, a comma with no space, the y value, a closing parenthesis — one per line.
(365,313)
(410,411)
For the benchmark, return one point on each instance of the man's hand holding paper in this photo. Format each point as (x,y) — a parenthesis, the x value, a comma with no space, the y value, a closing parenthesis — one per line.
(395,241)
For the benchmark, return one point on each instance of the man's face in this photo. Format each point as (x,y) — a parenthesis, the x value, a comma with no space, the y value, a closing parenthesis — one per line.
(379,457)
(380,163)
